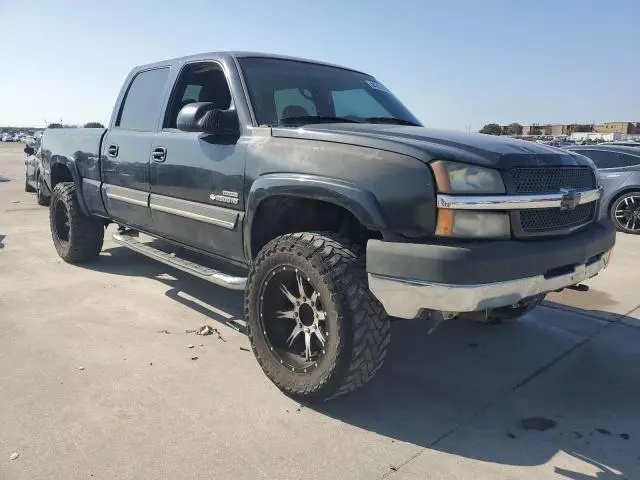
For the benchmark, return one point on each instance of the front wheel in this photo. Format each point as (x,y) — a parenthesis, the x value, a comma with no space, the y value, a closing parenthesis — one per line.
(41,197)
(314,326)
(77,238)
(27,187)
(625,213)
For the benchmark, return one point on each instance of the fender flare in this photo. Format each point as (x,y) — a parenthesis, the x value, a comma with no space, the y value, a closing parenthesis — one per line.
(71,166)
(361,203)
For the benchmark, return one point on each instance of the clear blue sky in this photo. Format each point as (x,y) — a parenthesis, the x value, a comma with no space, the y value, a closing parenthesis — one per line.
(455,64)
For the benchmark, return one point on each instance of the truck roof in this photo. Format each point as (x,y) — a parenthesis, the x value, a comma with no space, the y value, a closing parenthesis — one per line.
(233,55)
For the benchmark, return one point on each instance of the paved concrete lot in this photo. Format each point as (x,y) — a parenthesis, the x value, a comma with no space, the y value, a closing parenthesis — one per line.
(96,380)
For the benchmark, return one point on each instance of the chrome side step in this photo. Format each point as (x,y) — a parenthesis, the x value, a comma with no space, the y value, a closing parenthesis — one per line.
(200,271)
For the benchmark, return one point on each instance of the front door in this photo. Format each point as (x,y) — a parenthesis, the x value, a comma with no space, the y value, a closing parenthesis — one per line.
(126,150)
(196,179)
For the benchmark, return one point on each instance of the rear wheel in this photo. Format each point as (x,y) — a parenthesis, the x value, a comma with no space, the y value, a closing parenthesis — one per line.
(625,213)
(77,238)
(314,326)
(41,197)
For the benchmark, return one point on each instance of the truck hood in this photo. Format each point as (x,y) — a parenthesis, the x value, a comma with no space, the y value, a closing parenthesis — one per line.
(428,144)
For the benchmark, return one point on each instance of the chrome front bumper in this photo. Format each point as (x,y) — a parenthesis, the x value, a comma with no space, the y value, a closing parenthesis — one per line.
(405,298)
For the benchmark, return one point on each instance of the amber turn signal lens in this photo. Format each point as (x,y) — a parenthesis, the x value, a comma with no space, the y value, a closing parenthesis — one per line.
(441,175)
(444,227)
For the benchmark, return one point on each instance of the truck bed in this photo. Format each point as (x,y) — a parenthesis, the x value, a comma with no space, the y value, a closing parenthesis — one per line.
(78,148)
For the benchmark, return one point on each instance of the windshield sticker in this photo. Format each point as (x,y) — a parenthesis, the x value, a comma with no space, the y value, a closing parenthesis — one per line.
(377,85)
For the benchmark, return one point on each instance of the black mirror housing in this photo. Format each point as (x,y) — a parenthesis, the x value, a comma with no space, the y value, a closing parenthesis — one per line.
(29,150)
(204,117)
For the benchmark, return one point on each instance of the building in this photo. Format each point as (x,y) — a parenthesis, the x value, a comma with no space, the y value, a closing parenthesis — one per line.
(626,128)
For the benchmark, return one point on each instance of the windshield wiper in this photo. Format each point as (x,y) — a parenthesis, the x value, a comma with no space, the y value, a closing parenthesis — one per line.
(303,119)
(397,121)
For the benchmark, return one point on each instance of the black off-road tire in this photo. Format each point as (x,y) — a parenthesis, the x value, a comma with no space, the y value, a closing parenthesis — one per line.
(357,347)
(41,197)
(85,235)
(27,187)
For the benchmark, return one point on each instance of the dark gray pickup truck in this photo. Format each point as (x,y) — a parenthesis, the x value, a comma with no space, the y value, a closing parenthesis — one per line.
(314,190)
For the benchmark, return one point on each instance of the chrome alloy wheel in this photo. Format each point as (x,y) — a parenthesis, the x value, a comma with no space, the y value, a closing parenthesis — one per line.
(293,319)
(627,213)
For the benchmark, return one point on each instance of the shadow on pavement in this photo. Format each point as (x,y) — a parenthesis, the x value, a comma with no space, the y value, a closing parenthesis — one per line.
(466,388)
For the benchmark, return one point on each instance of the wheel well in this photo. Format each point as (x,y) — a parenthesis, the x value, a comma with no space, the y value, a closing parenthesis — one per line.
(280,215)
(60,173)
(621,193)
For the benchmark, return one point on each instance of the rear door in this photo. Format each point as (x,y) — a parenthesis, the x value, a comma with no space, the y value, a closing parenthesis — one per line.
(126,149)
(197,179)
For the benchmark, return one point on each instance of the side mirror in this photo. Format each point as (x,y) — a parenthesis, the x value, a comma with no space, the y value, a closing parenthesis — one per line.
(29,150)
(204,117)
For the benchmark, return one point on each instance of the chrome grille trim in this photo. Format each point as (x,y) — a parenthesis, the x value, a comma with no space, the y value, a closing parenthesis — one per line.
(512,202)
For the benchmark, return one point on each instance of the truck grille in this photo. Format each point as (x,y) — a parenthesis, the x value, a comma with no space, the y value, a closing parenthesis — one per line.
(552,219)
(541,180)
(551,179)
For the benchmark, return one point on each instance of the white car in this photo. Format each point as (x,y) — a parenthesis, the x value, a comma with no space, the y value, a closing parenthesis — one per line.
(7,138)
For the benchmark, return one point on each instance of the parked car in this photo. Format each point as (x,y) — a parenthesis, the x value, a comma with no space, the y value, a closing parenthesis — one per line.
(34,178)
(619,170)
(621,143)
(7,137)
(324,199)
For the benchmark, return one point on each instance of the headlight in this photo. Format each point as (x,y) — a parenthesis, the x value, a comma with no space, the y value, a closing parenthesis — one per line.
(453,177)
(470,224)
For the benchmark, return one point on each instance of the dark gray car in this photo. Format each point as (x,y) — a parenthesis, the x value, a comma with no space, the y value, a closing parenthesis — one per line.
(619,169)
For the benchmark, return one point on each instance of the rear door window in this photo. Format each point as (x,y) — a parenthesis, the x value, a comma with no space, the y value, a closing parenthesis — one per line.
(142,102)
(602,158)
(627,160)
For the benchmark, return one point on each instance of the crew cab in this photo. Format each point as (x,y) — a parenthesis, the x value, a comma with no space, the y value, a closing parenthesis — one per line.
(313,189)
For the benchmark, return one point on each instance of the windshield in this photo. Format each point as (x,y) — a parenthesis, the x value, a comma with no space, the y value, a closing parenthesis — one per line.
(288,92)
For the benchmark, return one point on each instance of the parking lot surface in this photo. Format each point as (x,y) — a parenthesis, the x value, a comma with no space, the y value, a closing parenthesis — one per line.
(97,380)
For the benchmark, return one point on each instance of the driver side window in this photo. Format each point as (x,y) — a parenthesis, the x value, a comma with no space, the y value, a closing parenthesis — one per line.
(198,82)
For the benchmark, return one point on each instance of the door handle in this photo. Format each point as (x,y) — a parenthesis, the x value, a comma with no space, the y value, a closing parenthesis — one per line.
(112,151)
(159,154)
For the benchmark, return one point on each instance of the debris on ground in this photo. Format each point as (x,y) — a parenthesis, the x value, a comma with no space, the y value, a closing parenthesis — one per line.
(473,345)
(166,332)
(578,434)
(151,363)
(15,201)
(540,424)
(194,358)
(220,337)
(190,346)
(244,349)
(14,455)
(393,467)
(511,435)
(625,436)
(603,431)
(80,368)
(205,330)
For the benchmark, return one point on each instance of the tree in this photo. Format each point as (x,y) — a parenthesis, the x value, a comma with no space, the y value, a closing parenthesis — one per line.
(93,125)
(536,131)
(514,129)
(55,125)
(491,129)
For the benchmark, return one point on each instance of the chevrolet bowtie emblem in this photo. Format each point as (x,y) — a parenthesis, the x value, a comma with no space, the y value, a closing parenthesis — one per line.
(570,199)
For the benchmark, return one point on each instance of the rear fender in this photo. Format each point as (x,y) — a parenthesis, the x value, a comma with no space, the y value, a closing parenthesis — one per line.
(60,162)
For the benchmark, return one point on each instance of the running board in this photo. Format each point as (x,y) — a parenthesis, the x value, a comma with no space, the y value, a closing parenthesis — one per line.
(200,271)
